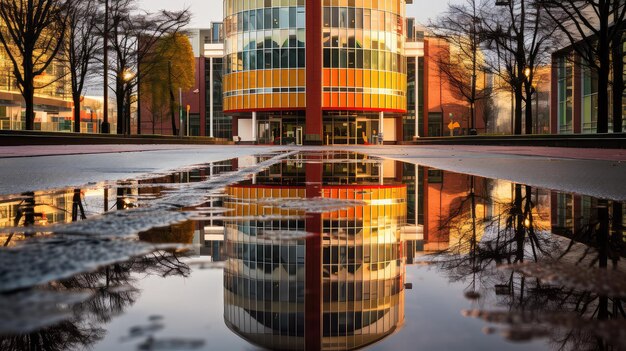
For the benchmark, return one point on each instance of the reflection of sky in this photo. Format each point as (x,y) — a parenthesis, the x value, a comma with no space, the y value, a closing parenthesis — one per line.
(193,308)
(433,319)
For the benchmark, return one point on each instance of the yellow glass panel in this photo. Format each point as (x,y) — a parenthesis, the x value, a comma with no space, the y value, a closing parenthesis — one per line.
(301,78)
(259,101)
(367,79)
(284,77)
(253,77)
(367,100)
(276,78)
(293,100)
(375,101)
(375,80)
(293,78)
(268,101)
(267,76)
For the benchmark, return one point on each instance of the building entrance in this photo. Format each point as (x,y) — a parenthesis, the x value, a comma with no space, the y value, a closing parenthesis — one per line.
(350,130)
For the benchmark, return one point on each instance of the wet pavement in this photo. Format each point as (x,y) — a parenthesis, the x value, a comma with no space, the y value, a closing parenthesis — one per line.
(316,249)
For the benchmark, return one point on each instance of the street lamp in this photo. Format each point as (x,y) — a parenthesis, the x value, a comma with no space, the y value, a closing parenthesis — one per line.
(127,77)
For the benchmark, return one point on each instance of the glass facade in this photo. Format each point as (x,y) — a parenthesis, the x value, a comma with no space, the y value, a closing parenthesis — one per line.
(264,54)
(363,55)
(222,124)
(566,94)
(590,100)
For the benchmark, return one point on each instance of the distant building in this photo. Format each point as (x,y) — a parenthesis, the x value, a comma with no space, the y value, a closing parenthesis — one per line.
(206,115)
(574,96)
(53,103)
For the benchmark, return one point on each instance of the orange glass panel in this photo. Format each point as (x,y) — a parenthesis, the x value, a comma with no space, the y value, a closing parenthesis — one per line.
(334,77)
(358,100)
(276,100)
(350,77)
(251,101)
(343,77)
(326,81)
(342,99)
(359,78)
(326,100)
(350,100)
(301,100)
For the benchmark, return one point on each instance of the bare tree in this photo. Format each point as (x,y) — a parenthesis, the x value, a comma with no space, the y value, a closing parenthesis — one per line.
(82,46)
(32,34)
(133,36)
(591,27)
(460,26)
(520,35)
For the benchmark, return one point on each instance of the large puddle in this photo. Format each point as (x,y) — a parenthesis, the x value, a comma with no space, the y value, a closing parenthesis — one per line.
(311,250)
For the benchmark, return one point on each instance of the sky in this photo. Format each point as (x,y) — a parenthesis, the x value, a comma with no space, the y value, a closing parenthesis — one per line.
(206,11)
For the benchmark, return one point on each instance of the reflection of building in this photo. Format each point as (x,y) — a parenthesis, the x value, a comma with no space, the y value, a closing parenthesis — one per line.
(340,288)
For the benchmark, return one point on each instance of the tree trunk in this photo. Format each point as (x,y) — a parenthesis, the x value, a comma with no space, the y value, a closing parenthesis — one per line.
(76,99)
(604,54)
(172,99)
(518,110)
(29,101)
(618,83)
(119,98)
(519,224)
(529,111)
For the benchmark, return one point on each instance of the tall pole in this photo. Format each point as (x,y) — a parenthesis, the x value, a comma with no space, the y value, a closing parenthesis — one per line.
(180,112)
(106,127)
(211,113)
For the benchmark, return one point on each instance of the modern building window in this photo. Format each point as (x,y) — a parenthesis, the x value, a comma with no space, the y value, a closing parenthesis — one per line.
(590,100)
(566,94)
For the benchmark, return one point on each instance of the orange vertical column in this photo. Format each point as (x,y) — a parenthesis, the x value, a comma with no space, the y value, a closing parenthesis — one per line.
(313,73)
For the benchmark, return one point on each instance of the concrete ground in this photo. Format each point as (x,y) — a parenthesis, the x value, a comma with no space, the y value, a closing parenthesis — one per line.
(596,172)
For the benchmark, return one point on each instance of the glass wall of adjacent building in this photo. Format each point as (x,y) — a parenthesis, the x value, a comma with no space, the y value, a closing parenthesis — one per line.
(565,95)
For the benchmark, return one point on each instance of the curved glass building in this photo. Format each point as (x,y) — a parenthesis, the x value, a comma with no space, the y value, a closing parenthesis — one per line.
(339,287)
(316,72)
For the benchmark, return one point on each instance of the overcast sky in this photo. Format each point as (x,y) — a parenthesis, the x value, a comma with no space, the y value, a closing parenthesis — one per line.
(206,11)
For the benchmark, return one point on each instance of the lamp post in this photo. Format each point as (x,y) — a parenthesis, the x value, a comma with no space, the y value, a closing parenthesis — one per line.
(127,76)
(106,127)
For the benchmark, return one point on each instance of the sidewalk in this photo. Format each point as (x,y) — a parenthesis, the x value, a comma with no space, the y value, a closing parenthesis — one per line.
(61,150)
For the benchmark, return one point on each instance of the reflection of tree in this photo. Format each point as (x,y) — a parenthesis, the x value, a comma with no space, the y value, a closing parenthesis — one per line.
(558,293)
(112,293)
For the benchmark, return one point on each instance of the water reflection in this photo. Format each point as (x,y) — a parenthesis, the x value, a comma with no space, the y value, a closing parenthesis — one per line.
(315,248)
(350,292)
